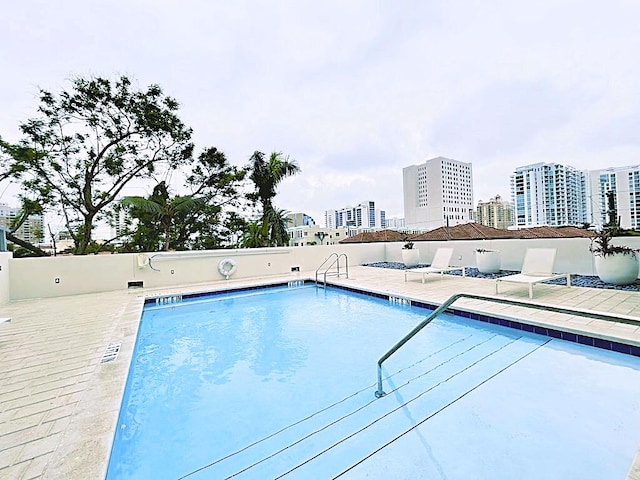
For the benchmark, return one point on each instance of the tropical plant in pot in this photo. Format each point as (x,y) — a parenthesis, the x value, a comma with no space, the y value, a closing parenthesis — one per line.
(410,255)
(615,264)
(487,261)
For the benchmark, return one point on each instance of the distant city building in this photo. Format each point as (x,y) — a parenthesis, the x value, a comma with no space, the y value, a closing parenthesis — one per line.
(437,192)
(120,224)
(496,213)
(310,235)
(395,223)
(625,183)
(549,194)
(300,220)
(32,230)
(363,215)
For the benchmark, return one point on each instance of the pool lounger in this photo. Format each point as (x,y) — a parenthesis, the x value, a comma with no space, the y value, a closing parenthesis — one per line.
(439,265)
(537,267)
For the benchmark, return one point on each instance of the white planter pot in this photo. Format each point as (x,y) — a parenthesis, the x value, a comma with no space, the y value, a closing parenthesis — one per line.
(617,269)
(410,257)
(488,262)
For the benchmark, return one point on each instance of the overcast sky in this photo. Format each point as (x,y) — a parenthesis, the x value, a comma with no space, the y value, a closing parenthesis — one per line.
(354,90)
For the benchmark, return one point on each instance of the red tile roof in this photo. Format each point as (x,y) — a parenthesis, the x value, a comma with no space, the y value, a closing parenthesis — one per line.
(379,236)
(469,231)
(554,232)
(465,231)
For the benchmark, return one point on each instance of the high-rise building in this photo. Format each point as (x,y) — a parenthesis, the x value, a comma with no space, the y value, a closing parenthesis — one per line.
(437,192)
(394,223)
(496,213)
(300,219)
(32,230)
(549,194)
(625,183)
(363,215)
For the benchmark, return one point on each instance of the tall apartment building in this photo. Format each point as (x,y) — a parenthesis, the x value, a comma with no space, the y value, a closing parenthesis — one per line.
(394,223)
(625,183)
(549,194)
(300,219)
(496,213)
(436,192)
(32,230)
(363,215)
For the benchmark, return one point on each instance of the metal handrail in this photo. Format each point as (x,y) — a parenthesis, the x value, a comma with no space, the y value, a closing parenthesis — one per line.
(335,261)
(584,313)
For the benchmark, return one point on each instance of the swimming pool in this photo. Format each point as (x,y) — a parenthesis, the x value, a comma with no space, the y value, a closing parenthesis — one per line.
(280,382)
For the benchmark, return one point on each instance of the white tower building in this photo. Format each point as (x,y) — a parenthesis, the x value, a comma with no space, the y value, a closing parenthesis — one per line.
(437,191)
(363,215)
(625,183)
(549,194)
(32,230)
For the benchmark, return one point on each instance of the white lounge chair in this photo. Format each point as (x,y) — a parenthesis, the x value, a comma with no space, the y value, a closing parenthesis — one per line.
(537,267)
(440,264)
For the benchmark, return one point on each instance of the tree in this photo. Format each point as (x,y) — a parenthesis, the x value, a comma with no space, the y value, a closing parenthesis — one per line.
(266,176)
(27,208)
(202,219)
(162,209)
(277,221)
(253,237)
(87,143)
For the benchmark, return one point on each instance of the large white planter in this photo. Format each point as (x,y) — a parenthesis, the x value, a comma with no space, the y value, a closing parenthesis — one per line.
(617,269)
(410,257)
(488,261)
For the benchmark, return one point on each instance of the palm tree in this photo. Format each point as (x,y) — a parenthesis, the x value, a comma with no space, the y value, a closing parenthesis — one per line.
(164,209)
(277,222)
(253,237)
(266,175)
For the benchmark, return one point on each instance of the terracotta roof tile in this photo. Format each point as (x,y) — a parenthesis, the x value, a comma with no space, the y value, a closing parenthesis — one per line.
(378,236)
(465,231)
(469,231)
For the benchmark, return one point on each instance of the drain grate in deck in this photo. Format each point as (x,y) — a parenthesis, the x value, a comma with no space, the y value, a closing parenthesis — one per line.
(111,353)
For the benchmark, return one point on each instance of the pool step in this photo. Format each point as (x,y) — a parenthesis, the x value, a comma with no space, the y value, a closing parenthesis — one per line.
(332,440)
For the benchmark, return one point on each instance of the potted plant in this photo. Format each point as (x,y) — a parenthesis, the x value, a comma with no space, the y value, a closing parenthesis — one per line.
(488,261)
(615,264)
(410,255)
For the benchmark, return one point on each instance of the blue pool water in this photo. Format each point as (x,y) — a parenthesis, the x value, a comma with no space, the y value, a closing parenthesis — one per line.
(279,383)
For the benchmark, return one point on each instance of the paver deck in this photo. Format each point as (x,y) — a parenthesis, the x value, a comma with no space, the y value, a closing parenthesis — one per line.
(59,404)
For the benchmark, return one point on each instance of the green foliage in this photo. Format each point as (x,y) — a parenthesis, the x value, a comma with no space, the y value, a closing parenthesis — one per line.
(253,236)
(204,219)
(266,176)
(601,245)
(277,227)
(90,141)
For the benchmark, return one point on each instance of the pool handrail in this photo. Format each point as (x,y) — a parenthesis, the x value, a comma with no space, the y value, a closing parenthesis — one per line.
(568,311)
(335,261)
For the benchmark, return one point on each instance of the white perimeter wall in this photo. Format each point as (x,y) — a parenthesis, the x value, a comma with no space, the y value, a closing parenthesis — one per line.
(5,257)
(69,275)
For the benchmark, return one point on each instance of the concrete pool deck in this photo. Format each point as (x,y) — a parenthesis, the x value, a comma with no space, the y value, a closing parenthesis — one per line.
(59,404)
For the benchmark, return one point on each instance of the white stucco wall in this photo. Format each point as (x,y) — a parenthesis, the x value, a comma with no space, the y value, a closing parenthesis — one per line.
(70,275)
(36,277)
(5,290)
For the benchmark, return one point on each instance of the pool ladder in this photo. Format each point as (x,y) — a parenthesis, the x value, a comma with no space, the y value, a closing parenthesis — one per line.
(332,260)
(568,311)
